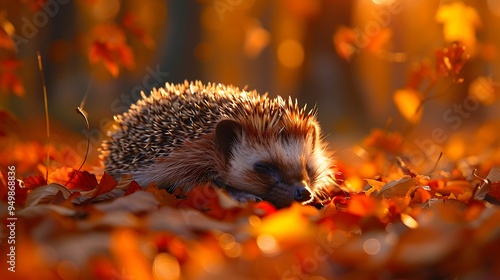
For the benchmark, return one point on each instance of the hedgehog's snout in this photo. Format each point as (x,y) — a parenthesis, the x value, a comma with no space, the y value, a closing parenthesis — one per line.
(302,194)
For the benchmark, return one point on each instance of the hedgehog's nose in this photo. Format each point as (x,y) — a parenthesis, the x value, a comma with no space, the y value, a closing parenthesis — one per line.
(302,194)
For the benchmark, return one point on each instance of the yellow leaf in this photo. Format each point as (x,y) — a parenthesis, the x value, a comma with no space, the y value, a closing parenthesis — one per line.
(375,185)
(409,104)
(459,23)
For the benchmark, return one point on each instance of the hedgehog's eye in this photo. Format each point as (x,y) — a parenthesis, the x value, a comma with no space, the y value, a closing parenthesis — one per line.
(265,168)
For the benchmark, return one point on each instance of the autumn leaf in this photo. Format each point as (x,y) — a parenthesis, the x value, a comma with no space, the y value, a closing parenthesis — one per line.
(161,195)
(409,104)
(400,188)
(73,179)
(138,202)
(490,186)
(7,31)
(130,23)
(450,60)
(421,73)
(108,45)
(133,187)
(459,23)
(344,42)
(45,194)
(378,41)
(361,205)
(32,182)
(106,184)
(9,81)
(216,203)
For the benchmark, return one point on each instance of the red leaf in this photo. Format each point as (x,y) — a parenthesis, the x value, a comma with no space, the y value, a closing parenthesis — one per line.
(73,179)
(131,24)
(450,60)
(9,81)
(108,44)
(107,184)
(32,182)
(132,188)
(495,191)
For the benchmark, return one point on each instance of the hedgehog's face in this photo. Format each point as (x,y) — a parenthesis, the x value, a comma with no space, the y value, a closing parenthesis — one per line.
(280,169)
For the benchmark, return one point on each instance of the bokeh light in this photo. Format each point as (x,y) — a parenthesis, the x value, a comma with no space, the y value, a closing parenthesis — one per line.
(290,53)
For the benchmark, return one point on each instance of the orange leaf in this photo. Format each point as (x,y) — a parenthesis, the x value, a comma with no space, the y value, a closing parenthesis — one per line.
(361,205)
(161,195)
(7,31)
(409,104)
(344,42)
(108,44)
(9,81)
(459,23)
(400,188)
(80,180)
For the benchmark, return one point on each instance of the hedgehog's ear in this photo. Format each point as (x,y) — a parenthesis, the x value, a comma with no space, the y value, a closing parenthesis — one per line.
(227,132)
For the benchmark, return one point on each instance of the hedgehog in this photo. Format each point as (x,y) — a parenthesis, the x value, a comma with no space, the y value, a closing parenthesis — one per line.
(252,146)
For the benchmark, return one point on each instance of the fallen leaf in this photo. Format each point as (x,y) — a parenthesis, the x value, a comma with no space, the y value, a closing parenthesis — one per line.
(133,187)
(73,179)
(44,194)
(486,187)
(400,188)
(33,182)
(106,184)
(137,202)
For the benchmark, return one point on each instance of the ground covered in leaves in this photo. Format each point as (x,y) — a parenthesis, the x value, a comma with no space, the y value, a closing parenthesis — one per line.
(396,223)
